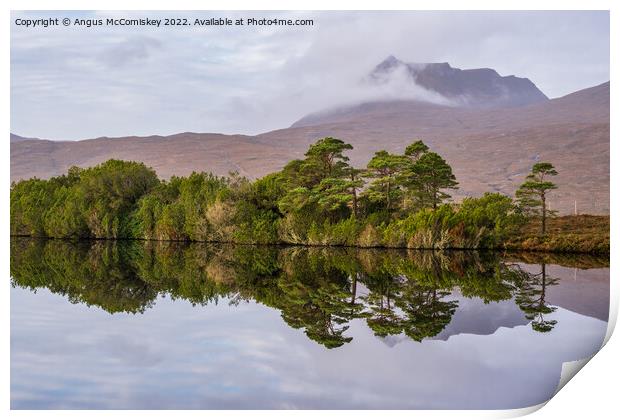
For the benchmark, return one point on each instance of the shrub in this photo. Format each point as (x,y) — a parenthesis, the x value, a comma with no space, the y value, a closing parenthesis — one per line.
(369,237)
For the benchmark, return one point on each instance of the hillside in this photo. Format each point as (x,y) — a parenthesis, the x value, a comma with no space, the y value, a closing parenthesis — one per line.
(489,149)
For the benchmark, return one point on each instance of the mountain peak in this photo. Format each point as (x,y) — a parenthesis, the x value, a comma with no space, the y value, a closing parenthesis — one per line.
(389,63)
(483,87)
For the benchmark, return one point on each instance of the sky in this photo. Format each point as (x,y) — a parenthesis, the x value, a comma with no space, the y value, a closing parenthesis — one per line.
(71,83)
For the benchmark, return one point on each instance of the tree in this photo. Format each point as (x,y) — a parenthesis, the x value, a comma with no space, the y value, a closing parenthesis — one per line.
(299,173)
(384,168)
(329,153)
(355,183)
(323,183)
(532,194)
(428,177)
(415,150)
(334,193)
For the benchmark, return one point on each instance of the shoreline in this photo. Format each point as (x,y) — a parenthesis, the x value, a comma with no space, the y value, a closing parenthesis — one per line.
(306,245)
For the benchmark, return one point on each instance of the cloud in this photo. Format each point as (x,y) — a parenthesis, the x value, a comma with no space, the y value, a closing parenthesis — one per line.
(397,84)
(114,81)
(130,51)
(175,355)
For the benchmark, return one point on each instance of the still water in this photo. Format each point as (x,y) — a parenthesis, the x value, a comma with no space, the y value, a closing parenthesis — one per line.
(146,325)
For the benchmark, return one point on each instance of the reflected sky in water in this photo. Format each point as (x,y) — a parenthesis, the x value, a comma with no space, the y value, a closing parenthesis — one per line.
(244,355)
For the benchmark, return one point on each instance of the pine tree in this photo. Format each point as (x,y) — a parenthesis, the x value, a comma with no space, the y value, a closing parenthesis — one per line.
(532,194)
(384,168)
(430,176)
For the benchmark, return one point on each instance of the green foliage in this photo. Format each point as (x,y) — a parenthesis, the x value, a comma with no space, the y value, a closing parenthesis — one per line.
(256,227)
(327,153)
(337,194)
(178,210)
(428,178)
(384,169)
(415,150)
(94,202)
(29,199)
(414,181)
(318,200)
(497,214)
(532,194)
(323,187)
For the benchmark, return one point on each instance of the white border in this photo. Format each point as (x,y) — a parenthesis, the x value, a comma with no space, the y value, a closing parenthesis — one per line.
(594,393)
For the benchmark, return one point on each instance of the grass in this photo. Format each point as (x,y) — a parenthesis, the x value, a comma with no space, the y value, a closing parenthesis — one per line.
(583,233)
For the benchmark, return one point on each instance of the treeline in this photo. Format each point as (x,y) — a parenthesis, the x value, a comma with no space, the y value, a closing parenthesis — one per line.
(317,290)
(396,201)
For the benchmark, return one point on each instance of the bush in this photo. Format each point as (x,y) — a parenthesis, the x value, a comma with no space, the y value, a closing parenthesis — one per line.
(118,199)
(493,217)
(369,237)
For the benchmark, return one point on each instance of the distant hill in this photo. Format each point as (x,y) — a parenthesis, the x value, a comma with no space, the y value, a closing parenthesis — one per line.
(16,138)
(491,148)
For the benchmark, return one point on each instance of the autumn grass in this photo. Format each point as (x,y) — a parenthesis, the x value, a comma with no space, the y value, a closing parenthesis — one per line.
(583,233)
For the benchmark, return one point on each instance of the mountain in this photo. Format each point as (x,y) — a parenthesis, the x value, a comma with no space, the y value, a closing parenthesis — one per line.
(441,85)
(490,148)
(472,87)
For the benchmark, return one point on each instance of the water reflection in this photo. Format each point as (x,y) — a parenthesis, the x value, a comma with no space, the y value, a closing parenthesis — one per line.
(164,325)
(318,290)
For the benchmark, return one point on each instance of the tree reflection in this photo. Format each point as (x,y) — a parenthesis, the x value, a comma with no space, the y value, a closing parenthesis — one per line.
(382,318)
(531,297)
(317,290)
(427,313)
(100,273)
(316,296)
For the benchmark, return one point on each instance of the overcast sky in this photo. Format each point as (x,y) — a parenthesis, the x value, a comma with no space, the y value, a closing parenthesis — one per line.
(72,83)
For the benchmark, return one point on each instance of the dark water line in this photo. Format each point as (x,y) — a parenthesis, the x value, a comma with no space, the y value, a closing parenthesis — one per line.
(305,245)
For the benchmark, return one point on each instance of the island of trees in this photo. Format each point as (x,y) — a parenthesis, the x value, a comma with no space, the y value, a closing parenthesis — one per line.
(399,201)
